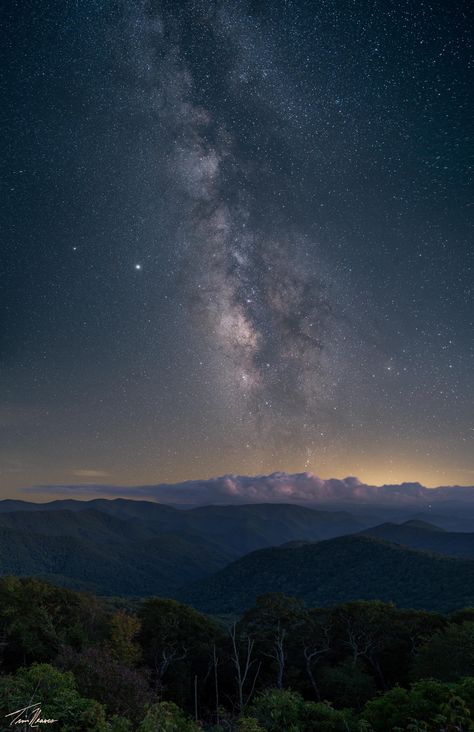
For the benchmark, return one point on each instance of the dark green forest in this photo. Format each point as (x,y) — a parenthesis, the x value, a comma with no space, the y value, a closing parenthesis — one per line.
(132,548)
(336,571)
(120,665)
(219,559)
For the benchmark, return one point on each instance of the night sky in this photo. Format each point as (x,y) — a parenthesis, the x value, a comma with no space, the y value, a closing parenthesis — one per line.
(236,238)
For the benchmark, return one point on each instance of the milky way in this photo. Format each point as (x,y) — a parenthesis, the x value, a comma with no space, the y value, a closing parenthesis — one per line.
(237,240)
(263,300)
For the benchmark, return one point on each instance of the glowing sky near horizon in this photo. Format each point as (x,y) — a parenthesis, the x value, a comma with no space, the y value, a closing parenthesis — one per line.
(237,239)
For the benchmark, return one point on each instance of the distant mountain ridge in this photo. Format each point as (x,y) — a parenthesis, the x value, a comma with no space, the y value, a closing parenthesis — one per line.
(240,528)
(424,536)
(137,548)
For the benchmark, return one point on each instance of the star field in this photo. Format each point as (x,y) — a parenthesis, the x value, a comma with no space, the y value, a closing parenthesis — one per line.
(237,239)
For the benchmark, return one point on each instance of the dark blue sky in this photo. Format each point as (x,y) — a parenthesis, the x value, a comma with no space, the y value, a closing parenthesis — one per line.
(236,238)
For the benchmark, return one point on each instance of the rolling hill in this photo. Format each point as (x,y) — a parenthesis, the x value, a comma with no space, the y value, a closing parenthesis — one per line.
(152,566)
(234,529)
(123,547)
(336,571)
(224,556)
(425,536)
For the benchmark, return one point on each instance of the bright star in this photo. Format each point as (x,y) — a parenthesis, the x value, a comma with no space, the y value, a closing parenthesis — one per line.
(138,266)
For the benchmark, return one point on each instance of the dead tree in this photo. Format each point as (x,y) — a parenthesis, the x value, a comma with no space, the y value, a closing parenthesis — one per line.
(215,663)
(244,667)
(312,656)
(163,660)
(365,642)
(278,654)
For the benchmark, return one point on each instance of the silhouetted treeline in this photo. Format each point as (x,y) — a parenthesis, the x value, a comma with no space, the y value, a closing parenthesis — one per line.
(280,667)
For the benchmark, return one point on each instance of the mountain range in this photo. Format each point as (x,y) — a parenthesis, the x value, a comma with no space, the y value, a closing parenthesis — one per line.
(237,529)
(219,558)
(137,548)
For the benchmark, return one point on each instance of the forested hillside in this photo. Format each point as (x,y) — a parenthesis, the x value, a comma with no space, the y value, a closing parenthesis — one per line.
(137,548)
(205,556)
(339,570)
(422,535)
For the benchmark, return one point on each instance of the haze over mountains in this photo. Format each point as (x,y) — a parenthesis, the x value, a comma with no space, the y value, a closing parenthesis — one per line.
(235,529)
(219,557)
(139,548)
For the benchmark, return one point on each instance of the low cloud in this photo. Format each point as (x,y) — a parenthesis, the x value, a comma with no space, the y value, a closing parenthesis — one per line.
(302,488)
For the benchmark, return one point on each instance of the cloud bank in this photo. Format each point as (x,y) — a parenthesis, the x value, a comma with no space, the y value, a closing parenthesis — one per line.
(302,488)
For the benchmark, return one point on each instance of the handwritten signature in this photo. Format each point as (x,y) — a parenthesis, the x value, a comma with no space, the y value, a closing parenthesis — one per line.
(30,715)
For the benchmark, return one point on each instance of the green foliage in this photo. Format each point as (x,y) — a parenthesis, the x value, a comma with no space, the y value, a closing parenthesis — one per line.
(167,622)
(119,724)
(388,711)
(277,709)
(122,643)
(428,705)
(275,623)
(465,689)
(410,629)
(466,614)
(167,717)
(172,632)
(347,684)
(249,724)
(111,667)
(57,693)
(121,689)
(455,715)
(272,609)
(448,655)
(377,643)
(37,618)
(324,718)
(176,643)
